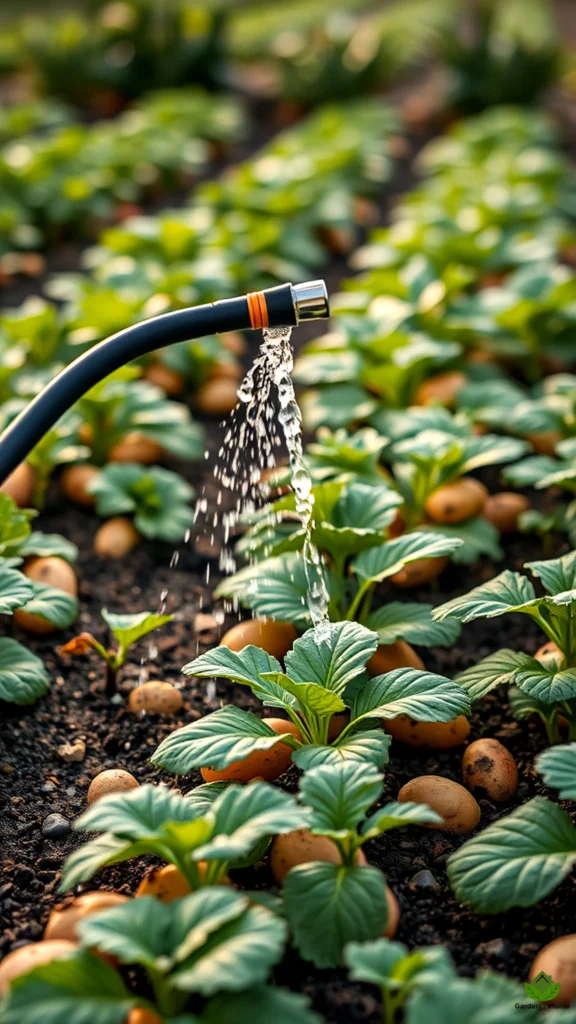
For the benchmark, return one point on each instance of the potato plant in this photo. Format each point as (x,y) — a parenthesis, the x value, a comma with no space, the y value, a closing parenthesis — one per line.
(322,678)
(351,523)
(127,630)
(544,684)
(518,860)
(158,499)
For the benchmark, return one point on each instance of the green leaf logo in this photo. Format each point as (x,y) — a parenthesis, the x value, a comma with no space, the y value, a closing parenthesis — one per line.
(542,989)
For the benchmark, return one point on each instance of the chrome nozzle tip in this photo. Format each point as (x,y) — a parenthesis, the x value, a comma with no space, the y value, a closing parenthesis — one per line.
(310,300)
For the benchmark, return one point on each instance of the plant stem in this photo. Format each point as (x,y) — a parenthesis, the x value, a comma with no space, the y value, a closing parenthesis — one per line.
(111,673)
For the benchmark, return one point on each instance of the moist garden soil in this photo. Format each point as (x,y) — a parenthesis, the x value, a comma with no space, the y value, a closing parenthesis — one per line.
(36,782)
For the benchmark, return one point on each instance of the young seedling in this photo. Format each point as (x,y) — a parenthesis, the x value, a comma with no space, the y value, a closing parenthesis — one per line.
(216,824)
(422,986)
(324,676)
(518,860)
(328,905)
(351,521)
(545,685)
(127,629)
(181,950)
(544,471)
(158,499)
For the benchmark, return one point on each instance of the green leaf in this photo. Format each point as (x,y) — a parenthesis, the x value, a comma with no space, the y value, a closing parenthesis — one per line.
(530,471)
(138,814)
(558,575)
(23,677)
(107,849)
(557,766)
(508,592)
(15,589)
(489,998)
(251,667)
(413,622)
(380,563)
(397,815)
(336,405)
(329,905)
(477,538)
(47,545)
(260,1006)
(129,628)
(158,498)
(369,747)
(340,794)
(56,606)
(79,989)
(516,861)
(311,698)
(424,696)
(216,741)
(333,656)
(498,669)
(243,815)
(276,588)
(545,682)
(390,964)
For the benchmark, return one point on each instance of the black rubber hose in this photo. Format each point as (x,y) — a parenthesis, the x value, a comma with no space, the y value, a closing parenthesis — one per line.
(75,380)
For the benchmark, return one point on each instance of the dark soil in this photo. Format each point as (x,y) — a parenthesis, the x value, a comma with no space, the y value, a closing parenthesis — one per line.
(35,782)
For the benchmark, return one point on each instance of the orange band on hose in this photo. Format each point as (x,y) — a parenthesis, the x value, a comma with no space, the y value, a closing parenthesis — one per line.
(257,310)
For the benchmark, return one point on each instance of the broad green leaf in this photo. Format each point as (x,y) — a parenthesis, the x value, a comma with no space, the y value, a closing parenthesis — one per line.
(14,526)
(277,588)
(23,677)
(243,815)
(336,405)
(260,1006)
(558,575)
(478,538)
(49,545)
(78,989)
(380,563)
(546,682)
(238,956)
(215,741)
(329,905)
(522,707)
(498,669)
(57,607)
(516,861)
(129,628)
(107,849)
(490,449)
(369,748)
(557,766)
(357,521)
(311,698)
(424,696)
(251,667)
(340,794)
(333,657)
(413,622)
(397,815)
(508,592)
(530,471)
(138,814)
(15,589)
(489,999)
(391,965)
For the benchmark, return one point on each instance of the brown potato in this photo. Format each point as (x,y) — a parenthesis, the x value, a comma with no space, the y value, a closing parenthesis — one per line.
(53,571)
(135,447)
(442,388)
(20,485)
(393,914)
(266,764)
(170,381)
(504,509)
(217,397)
(234,342)
(74,482)
(24,959)
(420,572)
(116,538)
(276,638)
(391,656)
(450,800)
(549,652)
(165,884)
(300,847)
(65,918)
(142,1016)
(454,503)
(558,960)
(397,526)
(155,698)
(337,724)
(33,623)
(545,442)
(487,765)
(113,780)
(430,735)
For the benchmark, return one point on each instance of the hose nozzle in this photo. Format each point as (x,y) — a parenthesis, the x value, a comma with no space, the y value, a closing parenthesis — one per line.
(310,300)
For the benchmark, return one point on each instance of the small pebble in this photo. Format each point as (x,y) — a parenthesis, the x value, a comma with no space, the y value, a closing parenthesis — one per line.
(55,826)
(75,751)
(495,947)
(423,880)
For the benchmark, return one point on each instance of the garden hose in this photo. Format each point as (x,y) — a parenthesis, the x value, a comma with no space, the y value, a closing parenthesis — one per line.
(283,306)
